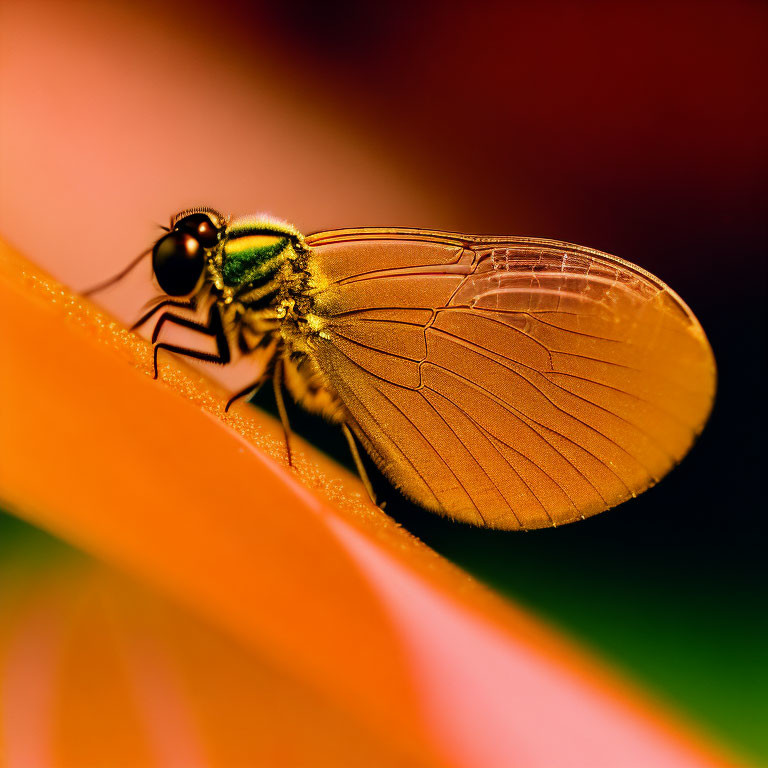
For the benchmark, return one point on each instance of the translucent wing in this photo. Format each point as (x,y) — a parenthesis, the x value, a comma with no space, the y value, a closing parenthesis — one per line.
(508,382)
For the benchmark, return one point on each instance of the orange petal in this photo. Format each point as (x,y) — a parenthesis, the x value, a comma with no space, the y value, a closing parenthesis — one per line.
(94,668)
(154,478)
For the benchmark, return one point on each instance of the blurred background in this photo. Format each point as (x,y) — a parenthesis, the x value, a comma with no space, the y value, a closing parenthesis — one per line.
(637,128)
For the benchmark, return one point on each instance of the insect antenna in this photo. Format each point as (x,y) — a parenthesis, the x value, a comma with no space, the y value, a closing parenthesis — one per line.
(119,276)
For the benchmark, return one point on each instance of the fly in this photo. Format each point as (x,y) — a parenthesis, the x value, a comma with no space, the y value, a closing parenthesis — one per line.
(507,382)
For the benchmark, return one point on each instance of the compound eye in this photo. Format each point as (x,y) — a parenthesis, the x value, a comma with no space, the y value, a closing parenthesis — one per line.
(200,227)
(178,260)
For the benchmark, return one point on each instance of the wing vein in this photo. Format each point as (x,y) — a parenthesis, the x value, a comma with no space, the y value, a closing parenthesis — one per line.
(383,432)
(508,327)
(525,457)
(376,349)
(470,345)
(524,419)
(435,451)
(489,439)
(482,468)
(532,315)
(671,416)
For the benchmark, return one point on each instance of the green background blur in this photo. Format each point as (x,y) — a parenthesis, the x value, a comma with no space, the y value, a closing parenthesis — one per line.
(634,128)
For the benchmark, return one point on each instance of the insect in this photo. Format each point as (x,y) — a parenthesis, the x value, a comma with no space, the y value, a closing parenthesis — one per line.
(507,382)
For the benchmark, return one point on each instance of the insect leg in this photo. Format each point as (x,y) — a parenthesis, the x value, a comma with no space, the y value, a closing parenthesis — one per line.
(207,329)
(251,389)
(191,304)
(277,382)
(213,327)
(359,462)
(222,358)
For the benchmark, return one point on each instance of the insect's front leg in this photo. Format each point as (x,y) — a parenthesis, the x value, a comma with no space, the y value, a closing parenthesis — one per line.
(250,390)
(212,327)
(189,304)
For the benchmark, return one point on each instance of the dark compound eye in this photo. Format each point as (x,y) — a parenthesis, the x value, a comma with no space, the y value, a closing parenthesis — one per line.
(200,227)
(178,260)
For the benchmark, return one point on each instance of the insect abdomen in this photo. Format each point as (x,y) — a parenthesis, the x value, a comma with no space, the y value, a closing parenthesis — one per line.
(311,389)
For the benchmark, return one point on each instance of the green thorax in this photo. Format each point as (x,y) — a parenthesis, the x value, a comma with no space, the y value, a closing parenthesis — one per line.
(255,248)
